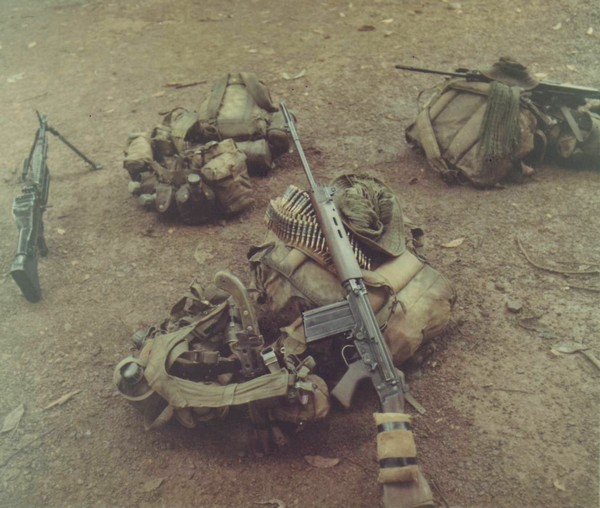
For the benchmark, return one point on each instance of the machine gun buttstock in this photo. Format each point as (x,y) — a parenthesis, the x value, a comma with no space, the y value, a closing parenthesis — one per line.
(25,273)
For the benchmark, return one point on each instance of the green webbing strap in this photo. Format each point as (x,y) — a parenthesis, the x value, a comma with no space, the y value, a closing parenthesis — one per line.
(216,99)
(182,393)
(429,143)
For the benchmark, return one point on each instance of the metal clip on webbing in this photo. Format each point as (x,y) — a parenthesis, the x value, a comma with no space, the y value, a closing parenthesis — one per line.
(270,360)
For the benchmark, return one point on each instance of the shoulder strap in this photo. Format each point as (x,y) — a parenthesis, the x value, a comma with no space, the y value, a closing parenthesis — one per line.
(258,91)
(216,98)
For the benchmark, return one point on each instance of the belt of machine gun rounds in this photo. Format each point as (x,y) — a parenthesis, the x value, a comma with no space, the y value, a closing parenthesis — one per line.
(292,218)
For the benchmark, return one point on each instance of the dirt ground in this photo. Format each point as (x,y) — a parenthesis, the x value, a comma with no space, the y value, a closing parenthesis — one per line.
(509,423)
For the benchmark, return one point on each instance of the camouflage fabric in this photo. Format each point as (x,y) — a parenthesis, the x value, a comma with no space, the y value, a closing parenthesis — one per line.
(291,272)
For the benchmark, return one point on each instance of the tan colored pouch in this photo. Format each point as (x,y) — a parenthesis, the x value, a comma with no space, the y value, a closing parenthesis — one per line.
(138,155)
(227,176)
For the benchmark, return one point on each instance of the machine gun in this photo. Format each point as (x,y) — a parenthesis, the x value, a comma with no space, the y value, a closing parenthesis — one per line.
(356,318)
(29,207)
(569,95)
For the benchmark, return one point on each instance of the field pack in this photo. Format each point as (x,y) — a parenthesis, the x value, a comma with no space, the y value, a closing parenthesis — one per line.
(494,124)
(196,164)
(412,300)
(480,133)
(224,345)
(240,107)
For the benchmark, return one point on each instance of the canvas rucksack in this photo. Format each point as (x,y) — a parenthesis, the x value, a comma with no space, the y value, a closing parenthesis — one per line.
(412,301)
(240,107)
(486,132)
(476,132)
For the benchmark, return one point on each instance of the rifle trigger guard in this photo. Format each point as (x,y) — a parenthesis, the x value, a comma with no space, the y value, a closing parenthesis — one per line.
(343,353)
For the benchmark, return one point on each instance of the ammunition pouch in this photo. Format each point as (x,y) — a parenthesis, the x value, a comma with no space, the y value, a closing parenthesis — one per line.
(198,184)
(227,176)
(138,155)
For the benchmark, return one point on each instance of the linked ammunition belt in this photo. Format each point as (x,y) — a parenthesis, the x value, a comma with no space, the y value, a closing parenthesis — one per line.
(292,218)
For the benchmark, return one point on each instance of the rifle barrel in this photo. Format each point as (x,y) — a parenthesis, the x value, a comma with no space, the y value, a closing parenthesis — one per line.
(430,71)
(292,128)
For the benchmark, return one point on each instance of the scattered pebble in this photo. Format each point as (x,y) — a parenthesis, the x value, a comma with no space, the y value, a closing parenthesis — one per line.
(514,306)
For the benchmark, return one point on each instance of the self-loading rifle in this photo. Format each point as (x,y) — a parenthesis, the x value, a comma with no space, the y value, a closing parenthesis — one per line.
(29,207)
(355,317)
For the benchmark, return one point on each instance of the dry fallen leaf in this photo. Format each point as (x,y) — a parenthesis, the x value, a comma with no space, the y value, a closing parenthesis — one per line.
(12,419)
(570,347)
(285,75)
(15,77)
(62,400)
(321,462)
(151,485)
(453,243)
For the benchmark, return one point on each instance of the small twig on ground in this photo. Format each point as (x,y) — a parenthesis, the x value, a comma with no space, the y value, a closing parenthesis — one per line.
(591,358)
(550,269)
(584,288)
(19,450)
(184,85)
(516,390)
(439,492)
(35,97)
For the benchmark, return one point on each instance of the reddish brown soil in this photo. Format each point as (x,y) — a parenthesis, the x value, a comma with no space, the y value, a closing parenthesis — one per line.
(508,423)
